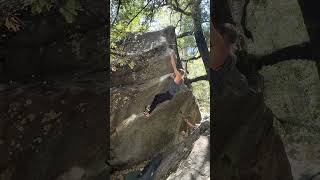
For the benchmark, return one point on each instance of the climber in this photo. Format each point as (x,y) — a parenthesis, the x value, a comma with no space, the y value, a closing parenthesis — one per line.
(177,78)
(186,119)
(190,125)
(223,58)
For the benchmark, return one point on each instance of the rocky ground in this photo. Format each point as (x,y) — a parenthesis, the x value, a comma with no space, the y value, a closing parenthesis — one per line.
(190,158)
(197,165)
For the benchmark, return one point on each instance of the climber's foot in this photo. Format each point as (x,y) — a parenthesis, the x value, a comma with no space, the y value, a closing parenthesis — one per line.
(147,114)
(146,111)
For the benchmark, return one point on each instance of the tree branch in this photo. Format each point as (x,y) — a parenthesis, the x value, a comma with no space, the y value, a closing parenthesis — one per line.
(188,5)
(177,8)
(139,12)
(117,13)
(191,59)
(184,34)
(200,78)
(304,51)
(179,21)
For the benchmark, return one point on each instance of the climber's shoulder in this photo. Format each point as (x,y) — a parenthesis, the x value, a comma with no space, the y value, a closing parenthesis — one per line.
(229,63)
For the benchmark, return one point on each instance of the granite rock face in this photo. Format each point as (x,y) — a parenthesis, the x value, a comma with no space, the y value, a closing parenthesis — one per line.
(197,164)
(269,25)
(274,24)
(133,137)
(54,129)
(292,92)
(190,158)
(246,142)
(53,95)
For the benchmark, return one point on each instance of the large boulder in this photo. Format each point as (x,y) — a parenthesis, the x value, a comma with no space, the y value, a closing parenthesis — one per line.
(53,94)
(246,144)
(195,154)
(274,24)
(292,91)
(269,25)
(55,129)
(133,137)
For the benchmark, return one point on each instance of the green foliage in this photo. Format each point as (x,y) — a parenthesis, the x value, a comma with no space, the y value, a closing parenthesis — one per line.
(133,16)
(39,6)
(68,10)
(200,89)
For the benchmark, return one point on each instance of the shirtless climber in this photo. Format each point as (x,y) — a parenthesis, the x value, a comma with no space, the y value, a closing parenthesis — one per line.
(190,126)
(177,78)
(223,59)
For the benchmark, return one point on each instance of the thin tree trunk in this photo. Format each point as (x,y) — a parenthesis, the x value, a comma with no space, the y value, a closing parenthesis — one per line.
(198,35)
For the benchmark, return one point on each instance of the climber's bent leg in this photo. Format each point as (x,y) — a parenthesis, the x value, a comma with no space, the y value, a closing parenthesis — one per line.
(159,98)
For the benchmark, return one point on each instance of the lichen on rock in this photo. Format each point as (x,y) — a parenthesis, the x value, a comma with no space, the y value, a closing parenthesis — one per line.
(292,93)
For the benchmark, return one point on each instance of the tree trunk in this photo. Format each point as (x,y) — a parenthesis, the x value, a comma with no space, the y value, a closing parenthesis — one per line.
(198,35)
(199,78)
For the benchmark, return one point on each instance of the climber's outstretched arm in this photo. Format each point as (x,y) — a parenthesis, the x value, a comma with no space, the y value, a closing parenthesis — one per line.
(174,65)
(218,50)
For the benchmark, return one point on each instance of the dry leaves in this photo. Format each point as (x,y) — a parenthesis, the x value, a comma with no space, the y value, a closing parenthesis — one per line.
(13,23)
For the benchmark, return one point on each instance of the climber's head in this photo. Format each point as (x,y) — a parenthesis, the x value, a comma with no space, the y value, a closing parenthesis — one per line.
(229,33)
(182,72)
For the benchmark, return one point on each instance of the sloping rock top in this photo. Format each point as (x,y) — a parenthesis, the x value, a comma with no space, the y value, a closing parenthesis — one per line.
(145,57)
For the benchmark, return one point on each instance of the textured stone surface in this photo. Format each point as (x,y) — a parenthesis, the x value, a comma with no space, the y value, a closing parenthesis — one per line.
(133,137)
(197,165)
(47,44)
(274,24)
(188,159)
(53,128)
(145,57)
(237,11)
(246,144)
(293,94)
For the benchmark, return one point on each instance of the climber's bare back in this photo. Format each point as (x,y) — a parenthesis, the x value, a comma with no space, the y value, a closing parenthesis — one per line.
(219,51)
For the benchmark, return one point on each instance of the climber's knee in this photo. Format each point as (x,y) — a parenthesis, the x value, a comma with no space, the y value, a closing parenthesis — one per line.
(169,96)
